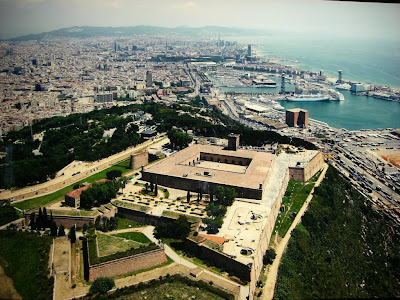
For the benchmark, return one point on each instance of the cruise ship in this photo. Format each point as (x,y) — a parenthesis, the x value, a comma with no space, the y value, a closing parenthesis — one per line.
(308,98)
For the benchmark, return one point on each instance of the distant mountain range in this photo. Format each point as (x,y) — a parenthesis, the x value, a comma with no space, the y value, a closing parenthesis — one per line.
(90,31)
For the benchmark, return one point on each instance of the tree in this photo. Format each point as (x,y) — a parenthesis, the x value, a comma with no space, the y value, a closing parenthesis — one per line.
(99,193)
(39,220)
(45,218)
(269,256)
(113,174)
(72,235)
(32,223)
(179,138)
(178,229)
(101,285)
(151,186)
(214,210)
(225,195)
(84,227)
(122,182)
(51,218)
(61,231)
(213,224)
(53,229)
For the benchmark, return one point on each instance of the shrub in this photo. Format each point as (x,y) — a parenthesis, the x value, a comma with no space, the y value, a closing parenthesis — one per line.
(101,285)
(269,256)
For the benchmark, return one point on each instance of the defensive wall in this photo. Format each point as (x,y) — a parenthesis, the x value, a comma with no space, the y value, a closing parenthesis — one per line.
(66,221)
(127,264)
(197,185)
(143,217)
(304,171)
(266,234)
(139,159)
(217,157)
(45,188)
(220,260)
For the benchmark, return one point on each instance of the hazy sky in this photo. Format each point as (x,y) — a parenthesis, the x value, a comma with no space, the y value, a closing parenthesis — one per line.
(20,17)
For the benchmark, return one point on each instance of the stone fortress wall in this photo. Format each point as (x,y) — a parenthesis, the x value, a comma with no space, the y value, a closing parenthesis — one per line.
(45,188)
(304,172)
(127,264)
(203,186)
(139,159)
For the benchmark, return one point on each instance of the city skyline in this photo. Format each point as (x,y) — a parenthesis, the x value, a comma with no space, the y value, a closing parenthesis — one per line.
(23,17)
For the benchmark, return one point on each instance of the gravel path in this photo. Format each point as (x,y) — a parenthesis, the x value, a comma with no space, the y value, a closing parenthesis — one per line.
(272,271)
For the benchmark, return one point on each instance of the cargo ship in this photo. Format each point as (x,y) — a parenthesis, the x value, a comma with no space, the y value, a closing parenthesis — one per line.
(308,98)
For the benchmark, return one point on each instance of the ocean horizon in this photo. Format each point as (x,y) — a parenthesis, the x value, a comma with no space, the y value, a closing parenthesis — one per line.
(368,60)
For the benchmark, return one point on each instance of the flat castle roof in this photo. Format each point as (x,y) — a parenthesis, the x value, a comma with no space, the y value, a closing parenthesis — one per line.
(253,170)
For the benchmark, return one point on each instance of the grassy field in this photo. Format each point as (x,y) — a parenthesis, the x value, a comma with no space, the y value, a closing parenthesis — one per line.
(125,223)
(24,257)
(63,212)
(8,214)
(295,195)
(134,236)
(175,215)
(110,244)
(59,195)
(171,287)
(174,290)
(130,205)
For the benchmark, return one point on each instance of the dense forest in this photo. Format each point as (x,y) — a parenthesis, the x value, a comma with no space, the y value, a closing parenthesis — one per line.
(342,249)
(81,137)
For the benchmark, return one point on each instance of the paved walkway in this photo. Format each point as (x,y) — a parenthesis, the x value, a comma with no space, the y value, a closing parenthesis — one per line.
(53,185)
(272,271)
(207,275)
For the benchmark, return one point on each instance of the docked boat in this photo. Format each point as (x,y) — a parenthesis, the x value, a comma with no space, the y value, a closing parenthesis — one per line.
(308,98)
(335,95)
(265,82)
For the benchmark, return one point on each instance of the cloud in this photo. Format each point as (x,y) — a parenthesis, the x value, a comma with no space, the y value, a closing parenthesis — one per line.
(113,3)
(184,5)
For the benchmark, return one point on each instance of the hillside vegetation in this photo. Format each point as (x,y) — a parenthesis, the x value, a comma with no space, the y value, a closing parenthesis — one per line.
(342,249)
(81,137)
(24,257)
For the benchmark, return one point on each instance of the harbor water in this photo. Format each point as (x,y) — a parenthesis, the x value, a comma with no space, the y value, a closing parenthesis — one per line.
(354,113)
(368,61)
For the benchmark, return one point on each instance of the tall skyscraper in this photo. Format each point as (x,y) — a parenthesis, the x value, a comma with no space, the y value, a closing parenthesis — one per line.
(149,79)
(283,84)
(249,50)
(115,47)
(339,76)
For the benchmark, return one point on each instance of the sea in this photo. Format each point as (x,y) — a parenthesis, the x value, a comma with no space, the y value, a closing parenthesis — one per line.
(371,60)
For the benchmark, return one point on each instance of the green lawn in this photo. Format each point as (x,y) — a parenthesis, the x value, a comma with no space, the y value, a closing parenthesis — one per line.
(296,194)
(8,214)
(59,195)
(63,212)
(109,244)
(24,257)
(135,236)
(175,215)
(130,205)
(171,287)
(125,223)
